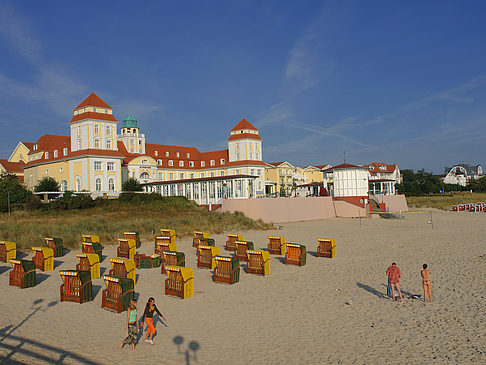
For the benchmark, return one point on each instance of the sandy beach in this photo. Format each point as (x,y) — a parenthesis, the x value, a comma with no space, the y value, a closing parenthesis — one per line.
(328,311)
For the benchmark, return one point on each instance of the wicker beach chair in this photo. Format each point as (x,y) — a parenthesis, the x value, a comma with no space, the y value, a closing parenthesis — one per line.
(326,247)
(92,247)
(8,251)
(258,262)
(56,244)
(201,238)
(206,255)
(147,261)
(172,258)
(91,238)
(22,274)
(118,293)
(180,282)
(276,245)
(43,258)
(295,254)
(241,248)
(76,286)
(168,233)
(126,248)
(124,268)
(227,270)
(231,238)
(89,262)
(134,236)
(164,243)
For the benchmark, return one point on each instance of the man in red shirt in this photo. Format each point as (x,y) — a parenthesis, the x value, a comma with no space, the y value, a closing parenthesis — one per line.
(393,273)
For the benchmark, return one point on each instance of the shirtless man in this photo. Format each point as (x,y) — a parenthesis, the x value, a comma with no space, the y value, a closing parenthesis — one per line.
(426,283)
(393,273)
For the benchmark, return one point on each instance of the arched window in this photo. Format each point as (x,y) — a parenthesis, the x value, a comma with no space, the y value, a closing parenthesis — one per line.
(78,183)
(111,184)
(144,176)
(159,162)
(98,184)
(63,185)
(96,129)
(55,153)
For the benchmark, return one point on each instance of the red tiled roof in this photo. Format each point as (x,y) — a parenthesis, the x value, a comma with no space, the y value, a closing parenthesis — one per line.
(197,179)
(29,145)
(244,124)
(374,168)
(346,166)
(244,136)
(247,162)
(276,164)
(49,142)
(12,167)
(93,115)
(93,100)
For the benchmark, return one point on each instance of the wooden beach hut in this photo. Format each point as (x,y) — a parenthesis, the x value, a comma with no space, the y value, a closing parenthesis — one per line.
(326,247)
(43,258)
(118,293)
(231,238)
(168,233)
(172,258)
(276,245)
(22,274)
(56,244)
(8,251)
(91,238)
(241,248)
(227,270)
(180,282)
(89,262)
(206,255)
(295,254)
(126,248)
(147,262)
(134,236)
(92,247)
(76,286)
(258,262)
(164,243)
(124,268)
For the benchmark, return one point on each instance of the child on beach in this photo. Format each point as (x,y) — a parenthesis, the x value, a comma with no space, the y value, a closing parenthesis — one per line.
(148,315)
(394,274)
(132,326)
(425,273)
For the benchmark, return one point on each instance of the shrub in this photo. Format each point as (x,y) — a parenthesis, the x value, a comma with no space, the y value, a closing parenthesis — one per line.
(132,185)
(49,184)
(11,189)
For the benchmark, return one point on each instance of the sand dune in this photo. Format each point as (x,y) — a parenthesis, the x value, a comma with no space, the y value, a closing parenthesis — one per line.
(295,315)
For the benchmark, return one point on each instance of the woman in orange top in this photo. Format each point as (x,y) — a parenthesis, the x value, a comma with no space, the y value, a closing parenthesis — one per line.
(148,315)
(426,284)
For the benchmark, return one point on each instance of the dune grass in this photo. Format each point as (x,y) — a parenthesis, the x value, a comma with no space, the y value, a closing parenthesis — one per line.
(109,221)
(445,201)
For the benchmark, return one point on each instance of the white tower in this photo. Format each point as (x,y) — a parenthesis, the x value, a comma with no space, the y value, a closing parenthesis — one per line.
(130,136)
(244,143)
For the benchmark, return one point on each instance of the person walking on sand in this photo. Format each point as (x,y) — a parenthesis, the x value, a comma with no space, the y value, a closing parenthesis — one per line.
(148,315)
(132,325)
(425,273)
(394,274)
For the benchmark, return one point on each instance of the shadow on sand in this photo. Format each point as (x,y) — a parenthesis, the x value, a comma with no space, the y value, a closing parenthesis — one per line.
(190,352)
(373,291)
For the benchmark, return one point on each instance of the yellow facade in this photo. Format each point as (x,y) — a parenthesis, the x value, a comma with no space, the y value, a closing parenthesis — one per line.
(20,154)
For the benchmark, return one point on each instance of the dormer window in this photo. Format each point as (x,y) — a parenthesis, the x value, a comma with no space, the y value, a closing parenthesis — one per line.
(181,163)
(171,163)
(203,163)
(144,162)
(191,163)
(159,162)
(65,151)
(221,161)
(382,167)
(188,155)
(55,154)
(212,162)
(47,155)
(156,153)
(177,154)
(167,154)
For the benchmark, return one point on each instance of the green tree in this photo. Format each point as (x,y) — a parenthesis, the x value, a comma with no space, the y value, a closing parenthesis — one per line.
(478,186)
(132,185)
(11,189)
(47,184)
(282,191)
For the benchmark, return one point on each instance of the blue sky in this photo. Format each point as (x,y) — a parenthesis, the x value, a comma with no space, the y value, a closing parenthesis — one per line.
(381,80)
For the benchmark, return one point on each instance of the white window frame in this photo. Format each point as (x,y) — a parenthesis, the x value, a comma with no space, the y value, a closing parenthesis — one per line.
(110,166)
(203,163)
(181,163)
(171,163)
(97,143)
(212,163)
(56,153)
(98,184)
(222,161)
(111,184)
(98,165)
(65,151)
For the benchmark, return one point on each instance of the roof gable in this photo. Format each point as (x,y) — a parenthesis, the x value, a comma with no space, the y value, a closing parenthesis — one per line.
(93,100)
(244,124)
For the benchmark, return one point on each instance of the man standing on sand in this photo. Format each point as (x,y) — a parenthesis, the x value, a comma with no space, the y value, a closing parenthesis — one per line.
(426,283)
(394,274)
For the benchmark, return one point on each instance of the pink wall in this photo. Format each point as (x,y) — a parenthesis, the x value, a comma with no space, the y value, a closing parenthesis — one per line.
(394,203)
(348,210)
